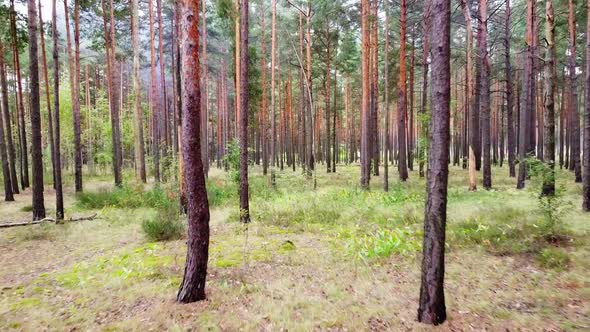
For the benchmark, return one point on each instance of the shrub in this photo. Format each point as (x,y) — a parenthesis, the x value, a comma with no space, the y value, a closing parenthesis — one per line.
(553,258)
(163,228)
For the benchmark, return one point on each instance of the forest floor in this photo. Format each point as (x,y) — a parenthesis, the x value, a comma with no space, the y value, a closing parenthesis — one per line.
(333,258)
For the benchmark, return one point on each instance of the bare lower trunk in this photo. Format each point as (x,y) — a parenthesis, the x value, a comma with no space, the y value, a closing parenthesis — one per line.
(59,201)
(244,104)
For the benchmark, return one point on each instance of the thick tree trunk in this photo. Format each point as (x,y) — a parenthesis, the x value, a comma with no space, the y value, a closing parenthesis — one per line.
(549,100)
(195,273)
(138,111)
(35,113)
(244,104)
(59,201)
(365,102)
(432,299)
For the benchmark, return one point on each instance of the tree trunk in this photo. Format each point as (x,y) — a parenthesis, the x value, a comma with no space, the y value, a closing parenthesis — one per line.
(549,100)
(139,144)
(509,100)
(59,201)
(470,97)
(7,120)
(586,183)
(575,115)
(432,299)
(244,104)
(425,51)
(153,100)
(526,96)
(24,154)
(485,93)
(195,273)
(402,164)
(374,145)
(365,102)
(47,98)
(8,194)
(386,105)
(204,94)
(35,113)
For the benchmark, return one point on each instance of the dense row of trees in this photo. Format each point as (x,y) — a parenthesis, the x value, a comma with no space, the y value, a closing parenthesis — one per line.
(457,102)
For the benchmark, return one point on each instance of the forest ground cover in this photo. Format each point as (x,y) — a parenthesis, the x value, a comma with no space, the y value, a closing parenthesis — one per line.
(333,258)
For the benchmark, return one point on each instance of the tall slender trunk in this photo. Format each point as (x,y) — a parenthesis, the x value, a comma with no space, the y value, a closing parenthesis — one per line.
(425,51)
(47,98)
(265,132)
(575,112)
(35,113)
(526,96)
(374,145)
(204,94)
(328,78)
(549,100)
(154,104)
(411,106)
(386,105)
(24,154)
(432,299)
(485,93)
(402,164)
(59,201)
(195,273)
(76,100)
(586,180)
(8,194)
(7,121)
(509,100)
(139,143)
(273,62)
(244,104)
(162,97)
(470,98)
(365,102)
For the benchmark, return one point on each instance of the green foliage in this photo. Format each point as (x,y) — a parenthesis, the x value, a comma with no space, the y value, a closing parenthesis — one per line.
(163,227)
(554,258)
(384,243)
(127,197)
(232,160)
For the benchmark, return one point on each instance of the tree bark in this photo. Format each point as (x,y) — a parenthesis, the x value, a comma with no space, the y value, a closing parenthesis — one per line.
(549,100)
(485,93)
(425,51)
(139,143)
(386,105)
(365,102)
(432,299)
(153,100)
(195,273)
(526,96)
(402,164)
(509,101)
(24,154)
(244,104)
(7,121)
(35,113)
(575,115)
(47,98)
(59,201)
(586,179)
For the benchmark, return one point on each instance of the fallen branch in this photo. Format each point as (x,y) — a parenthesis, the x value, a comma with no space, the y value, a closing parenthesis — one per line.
(36,222)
